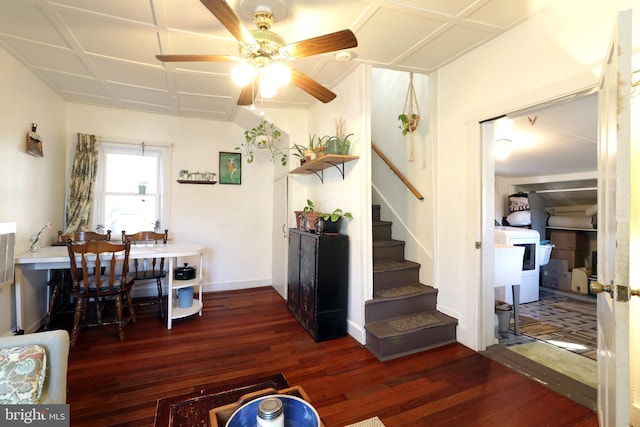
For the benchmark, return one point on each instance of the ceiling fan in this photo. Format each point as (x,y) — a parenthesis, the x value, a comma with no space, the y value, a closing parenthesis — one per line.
(262,50)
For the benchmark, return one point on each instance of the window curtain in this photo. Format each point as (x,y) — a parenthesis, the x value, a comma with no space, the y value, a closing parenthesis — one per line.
(81,187)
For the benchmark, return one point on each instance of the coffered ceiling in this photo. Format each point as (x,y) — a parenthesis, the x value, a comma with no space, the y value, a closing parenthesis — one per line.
(102,52)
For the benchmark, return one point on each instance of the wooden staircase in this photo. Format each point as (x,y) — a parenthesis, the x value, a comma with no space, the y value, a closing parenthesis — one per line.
(401,319)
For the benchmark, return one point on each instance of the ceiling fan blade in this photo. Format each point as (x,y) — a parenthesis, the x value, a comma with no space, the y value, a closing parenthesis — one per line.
(231,21)
(186,58)
(332,42)
(248,93)
(311,86)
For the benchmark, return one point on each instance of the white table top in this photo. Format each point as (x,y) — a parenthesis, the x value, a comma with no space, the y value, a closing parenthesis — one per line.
(60,254)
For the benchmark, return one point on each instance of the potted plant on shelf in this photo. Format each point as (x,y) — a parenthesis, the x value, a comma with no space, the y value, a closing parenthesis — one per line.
(339,144)
(298,151)
(263,136)
(332,222)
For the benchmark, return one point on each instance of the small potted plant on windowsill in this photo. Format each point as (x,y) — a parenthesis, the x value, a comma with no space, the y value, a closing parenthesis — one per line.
(332,222)
(142,187)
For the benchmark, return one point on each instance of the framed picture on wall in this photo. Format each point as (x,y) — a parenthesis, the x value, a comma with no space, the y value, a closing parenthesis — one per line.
(230,165)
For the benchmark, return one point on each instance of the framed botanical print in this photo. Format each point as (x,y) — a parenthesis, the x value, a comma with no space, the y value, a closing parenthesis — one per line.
(230,165)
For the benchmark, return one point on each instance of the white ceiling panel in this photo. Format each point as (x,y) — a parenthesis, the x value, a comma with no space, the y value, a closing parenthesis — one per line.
(131,73)
(505,13)
(110,45)
(205,85)
(447,7)
(37,55)
(24,20)
(456,40)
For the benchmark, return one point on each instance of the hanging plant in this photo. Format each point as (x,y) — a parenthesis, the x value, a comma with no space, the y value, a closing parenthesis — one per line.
(410,116)
(263,136)
(409,122)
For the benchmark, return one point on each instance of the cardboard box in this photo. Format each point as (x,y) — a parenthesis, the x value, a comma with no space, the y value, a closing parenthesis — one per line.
(580,280)
(556,275)
(570,240)
(574,258)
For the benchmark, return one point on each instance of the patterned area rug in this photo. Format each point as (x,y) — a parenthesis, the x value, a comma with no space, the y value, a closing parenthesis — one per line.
(191,410)
(578,306)
(410,323)
(400,291)
(551,319)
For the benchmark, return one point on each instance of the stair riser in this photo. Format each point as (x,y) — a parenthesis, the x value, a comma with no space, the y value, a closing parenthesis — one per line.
(389,253)
(375,212)
(390,278)
(380,310)
(381,231)
(393,347)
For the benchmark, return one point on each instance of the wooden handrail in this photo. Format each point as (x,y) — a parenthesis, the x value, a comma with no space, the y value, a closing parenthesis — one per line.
(397,172)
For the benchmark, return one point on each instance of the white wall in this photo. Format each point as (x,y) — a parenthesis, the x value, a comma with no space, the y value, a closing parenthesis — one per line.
(232,221)
(413,219)
(31,188)
(351,193)
(557,52)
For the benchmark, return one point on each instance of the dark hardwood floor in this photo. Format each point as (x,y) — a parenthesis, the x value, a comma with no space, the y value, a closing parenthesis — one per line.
(251,333)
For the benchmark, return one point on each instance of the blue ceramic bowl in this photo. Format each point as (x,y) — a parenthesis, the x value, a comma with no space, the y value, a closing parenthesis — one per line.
(297,413)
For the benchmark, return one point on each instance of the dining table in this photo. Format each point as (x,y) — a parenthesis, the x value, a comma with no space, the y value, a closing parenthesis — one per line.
(33,272)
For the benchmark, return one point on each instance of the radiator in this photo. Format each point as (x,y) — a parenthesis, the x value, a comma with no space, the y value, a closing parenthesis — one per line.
(7,250)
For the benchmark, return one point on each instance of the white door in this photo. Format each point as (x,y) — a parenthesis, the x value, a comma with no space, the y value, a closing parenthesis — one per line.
(279,237)
(617,217)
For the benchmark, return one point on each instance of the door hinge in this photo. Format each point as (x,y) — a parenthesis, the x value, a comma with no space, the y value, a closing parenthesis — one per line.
(478,245)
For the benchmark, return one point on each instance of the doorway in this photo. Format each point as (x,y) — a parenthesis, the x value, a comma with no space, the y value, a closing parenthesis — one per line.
(552,157)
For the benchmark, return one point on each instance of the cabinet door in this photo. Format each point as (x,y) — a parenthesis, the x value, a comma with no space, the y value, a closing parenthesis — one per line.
(293,280)
(308,268)
(333,273)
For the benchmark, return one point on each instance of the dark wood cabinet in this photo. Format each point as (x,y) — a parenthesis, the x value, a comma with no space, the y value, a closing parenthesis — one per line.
(318,287)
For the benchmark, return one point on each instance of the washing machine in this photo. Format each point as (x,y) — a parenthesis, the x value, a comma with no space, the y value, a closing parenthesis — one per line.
(530,284)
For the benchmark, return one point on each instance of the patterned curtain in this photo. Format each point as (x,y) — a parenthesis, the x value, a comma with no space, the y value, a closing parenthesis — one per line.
(83,178)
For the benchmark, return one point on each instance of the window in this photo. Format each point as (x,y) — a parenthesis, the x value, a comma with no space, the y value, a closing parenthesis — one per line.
(120,201)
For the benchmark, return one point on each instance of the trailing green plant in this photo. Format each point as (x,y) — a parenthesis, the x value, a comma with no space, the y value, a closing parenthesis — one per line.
(336,215)
(265,135)
(310,208)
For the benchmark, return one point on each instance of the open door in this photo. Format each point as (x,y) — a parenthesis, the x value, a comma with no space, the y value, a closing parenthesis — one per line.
(618,216)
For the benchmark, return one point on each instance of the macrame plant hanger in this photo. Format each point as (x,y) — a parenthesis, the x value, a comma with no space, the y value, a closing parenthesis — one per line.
(412,115)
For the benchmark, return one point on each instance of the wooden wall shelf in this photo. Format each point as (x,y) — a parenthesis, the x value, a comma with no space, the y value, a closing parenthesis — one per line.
(191,181)
(318,165)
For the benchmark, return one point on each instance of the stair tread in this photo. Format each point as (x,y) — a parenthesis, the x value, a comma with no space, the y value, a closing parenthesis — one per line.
(391,242)
(402,291)
(407,324)
(393,265)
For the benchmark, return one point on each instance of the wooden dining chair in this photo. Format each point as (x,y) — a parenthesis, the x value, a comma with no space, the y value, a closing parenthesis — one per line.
(100,271)
(61,283)
(149,268)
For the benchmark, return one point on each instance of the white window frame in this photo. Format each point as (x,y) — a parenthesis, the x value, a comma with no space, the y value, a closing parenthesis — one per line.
(164,180)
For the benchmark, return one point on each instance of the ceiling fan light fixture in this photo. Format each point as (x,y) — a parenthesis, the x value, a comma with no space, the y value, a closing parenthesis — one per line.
(278,73)
(243,74)
(268,88)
